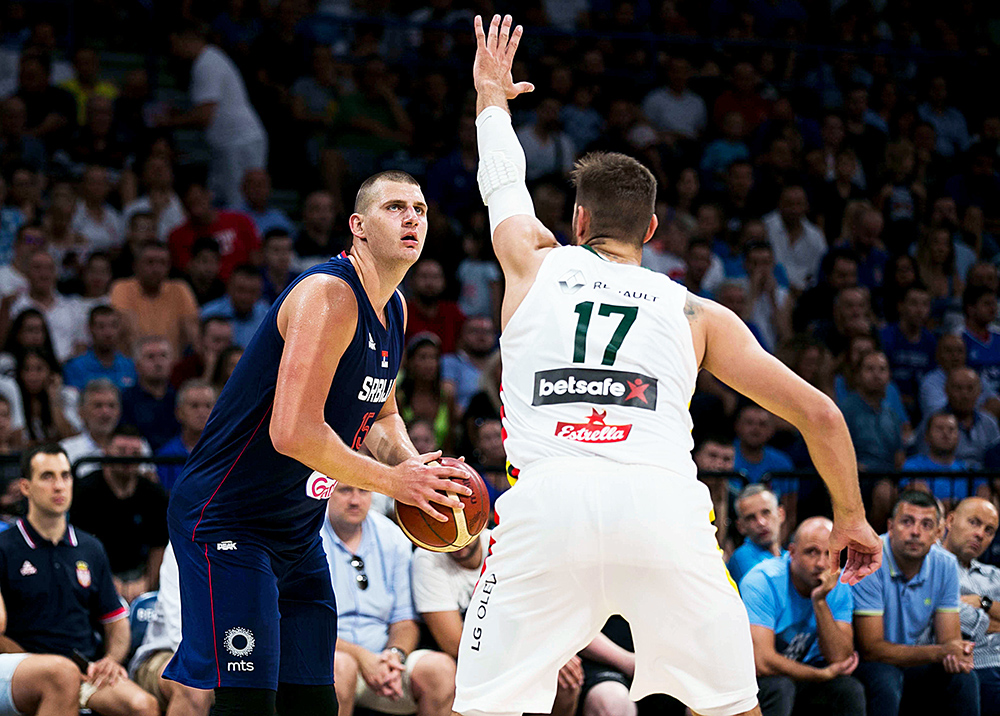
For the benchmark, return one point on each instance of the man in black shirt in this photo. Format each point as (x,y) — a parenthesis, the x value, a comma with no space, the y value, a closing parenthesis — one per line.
(56,584)
(127,513)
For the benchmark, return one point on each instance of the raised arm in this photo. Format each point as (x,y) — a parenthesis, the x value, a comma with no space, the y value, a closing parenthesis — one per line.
(519,239)
(726,348)
(318,320)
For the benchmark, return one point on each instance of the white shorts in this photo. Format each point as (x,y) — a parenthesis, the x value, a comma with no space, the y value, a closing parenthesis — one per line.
(407,704)
(580,540)
(8,665)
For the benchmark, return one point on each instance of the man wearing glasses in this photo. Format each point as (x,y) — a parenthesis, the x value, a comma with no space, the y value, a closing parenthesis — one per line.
(375,665)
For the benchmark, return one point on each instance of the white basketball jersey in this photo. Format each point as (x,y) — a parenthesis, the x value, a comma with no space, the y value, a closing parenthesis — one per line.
(598,360)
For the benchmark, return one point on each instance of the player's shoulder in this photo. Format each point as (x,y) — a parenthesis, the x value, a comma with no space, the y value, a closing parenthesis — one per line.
(322,285)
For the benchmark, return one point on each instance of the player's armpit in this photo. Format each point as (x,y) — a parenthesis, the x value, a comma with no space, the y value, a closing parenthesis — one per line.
(317,321)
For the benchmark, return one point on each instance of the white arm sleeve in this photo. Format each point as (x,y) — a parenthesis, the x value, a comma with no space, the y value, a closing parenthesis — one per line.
(501,167)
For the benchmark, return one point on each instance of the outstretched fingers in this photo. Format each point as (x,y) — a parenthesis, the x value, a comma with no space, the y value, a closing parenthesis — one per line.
(504,33)
(492,39)
(515,40)
(477,23)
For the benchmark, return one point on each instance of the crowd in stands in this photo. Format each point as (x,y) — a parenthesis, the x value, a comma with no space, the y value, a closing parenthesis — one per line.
(829,174)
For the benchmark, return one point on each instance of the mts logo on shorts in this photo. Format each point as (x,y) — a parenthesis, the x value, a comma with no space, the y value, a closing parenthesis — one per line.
(585,385)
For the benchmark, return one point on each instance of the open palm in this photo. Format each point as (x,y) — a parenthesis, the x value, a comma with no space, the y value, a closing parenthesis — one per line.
(495,56)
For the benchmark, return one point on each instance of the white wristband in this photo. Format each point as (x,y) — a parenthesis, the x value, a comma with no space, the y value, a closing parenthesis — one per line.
(501,167)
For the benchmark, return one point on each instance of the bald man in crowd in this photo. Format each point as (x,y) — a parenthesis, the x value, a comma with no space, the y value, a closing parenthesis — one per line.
(971,528)
(800,622)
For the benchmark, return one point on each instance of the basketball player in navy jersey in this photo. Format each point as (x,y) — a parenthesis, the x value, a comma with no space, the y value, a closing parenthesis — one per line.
(315,383)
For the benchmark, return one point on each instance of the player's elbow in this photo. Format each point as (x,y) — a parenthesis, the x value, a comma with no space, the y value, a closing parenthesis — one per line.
(822,415)
(284,437)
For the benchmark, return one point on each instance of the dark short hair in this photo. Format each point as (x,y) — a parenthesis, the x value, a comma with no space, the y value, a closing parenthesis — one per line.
(757,245)
(944,413)
(98,311)
(917,498)
(367,189)
(45,449)
(618,191)
(147,245)
(276,233)
(915,286)
(972,295)
(205,243)
(699,242)
(195,175)
(141,215)
(248,270)
(127,430)
(208,320)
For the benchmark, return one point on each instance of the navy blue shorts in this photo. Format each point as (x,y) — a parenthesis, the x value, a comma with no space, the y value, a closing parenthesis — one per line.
(253,615)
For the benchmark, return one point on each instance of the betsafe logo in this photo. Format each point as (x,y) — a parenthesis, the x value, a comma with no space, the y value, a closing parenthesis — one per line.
(586,385)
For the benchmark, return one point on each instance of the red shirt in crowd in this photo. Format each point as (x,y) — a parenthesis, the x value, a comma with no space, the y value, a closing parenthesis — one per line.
(445,323)
(235,233)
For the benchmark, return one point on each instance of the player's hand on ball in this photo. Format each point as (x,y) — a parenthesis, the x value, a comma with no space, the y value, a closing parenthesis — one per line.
(864,548)
(495,56)
(420,484)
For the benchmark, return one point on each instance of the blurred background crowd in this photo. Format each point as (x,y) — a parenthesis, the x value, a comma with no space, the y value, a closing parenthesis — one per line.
(826,170)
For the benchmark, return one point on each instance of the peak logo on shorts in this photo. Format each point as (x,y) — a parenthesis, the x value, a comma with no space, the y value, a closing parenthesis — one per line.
(585,385)
(319,486)
(376,390)
(595,430)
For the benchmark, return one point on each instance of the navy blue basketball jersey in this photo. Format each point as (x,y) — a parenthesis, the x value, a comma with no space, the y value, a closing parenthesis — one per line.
(235,482)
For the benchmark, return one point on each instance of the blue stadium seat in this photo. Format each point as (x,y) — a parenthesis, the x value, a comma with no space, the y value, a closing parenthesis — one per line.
(139,616)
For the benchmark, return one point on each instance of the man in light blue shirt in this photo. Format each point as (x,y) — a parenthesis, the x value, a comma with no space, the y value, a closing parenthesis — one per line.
(800,622)
(242,305)
(103,360)
(375,665)
(759,519)
(940,435)
(907,621)
(754,457)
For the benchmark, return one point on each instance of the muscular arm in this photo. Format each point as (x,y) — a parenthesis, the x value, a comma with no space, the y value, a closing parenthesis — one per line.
(446,628)
(117,640)
(873,646)
(769,662)
(387,437)
(731,353)
(317,321)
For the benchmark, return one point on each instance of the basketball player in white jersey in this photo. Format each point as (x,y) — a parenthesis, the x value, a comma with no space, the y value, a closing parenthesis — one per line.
(607,517)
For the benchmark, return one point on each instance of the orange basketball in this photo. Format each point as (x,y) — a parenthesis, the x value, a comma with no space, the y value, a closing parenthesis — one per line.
(462,526)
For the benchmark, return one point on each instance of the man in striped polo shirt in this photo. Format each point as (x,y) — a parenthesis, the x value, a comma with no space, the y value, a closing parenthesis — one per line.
(971,528)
